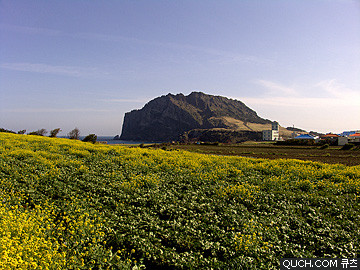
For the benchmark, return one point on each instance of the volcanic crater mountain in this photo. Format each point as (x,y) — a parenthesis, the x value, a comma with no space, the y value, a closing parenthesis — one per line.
(174,117)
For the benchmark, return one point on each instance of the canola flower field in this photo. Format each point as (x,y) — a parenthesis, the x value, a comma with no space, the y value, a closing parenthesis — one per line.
(66,204)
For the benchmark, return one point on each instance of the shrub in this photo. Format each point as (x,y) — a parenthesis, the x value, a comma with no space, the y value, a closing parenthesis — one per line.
(297,142)
(325,146)
(90,138)
(347,146)
(6,130)
(39,132)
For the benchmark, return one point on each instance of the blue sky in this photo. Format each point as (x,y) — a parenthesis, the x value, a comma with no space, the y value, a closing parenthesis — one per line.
(85,63)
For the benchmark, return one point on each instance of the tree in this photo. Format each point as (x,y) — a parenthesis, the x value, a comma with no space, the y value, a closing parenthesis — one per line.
(6,130)
(74,134)
(42,132)
(90,138)
(54,132)
(23,131)
(39,132)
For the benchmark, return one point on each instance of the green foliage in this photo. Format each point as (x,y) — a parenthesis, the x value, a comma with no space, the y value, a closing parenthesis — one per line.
(347,146)
(297,142)
(325,146)
(181,210)
(90,138)
(39,132)
(23,131)
(54,132)
(74,134)
(6,130)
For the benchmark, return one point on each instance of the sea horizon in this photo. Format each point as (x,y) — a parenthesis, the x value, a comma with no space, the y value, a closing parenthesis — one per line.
(110,140)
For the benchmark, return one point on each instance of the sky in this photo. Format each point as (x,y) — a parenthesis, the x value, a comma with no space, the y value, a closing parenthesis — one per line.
(84,64)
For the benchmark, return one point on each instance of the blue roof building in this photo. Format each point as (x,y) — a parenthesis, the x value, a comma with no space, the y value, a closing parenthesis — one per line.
(347,133)
(305,137)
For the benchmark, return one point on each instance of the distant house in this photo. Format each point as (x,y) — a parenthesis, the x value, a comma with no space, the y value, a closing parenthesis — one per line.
(273,134)
(270,135)
(354,138)
(306,137)
(330,138)
(348,133)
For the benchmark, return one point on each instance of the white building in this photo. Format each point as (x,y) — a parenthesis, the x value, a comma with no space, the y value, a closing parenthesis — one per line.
(273,134)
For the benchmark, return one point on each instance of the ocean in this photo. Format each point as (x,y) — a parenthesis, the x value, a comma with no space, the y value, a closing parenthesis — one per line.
(110,140)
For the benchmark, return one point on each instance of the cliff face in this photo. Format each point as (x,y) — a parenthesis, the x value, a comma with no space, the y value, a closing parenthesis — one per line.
(167,117)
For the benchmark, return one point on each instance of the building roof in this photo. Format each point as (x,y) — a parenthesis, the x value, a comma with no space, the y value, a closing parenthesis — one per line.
(347,133)
(305,136)
(330,135)
(355,135)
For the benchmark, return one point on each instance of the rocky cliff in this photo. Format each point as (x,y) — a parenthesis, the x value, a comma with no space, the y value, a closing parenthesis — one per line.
(167,117)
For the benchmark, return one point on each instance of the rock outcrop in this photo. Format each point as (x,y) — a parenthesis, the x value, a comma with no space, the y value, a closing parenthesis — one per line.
(167,118)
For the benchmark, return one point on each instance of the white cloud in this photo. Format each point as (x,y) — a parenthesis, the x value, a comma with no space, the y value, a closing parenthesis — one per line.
(120,100)
(337,110)
(53,69)
(277,89)
(30,30)
(338,90)
(225,56)
(304,102)
(52,110)
(291,101)
(278,94)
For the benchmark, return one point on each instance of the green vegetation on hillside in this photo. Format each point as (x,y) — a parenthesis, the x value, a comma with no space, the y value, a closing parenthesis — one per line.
(118,208)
